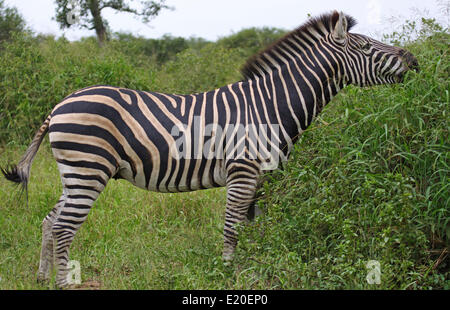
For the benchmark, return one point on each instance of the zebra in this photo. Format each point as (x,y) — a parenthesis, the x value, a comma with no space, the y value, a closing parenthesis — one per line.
(104,132)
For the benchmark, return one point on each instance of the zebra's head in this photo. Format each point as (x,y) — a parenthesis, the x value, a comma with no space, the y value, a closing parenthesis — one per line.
(369,62)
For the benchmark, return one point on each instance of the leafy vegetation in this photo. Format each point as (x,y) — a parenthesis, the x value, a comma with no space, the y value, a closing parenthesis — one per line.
(251,40)
(368,181)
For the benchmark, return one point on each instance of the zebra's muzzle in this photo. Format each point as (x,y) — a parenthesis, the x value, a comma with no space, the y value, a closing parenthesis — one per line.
(410,61)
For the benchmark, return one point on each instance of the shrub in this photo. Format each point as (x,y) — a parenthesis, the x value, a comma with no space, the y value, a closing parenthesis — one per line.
(250,41)
(199,70)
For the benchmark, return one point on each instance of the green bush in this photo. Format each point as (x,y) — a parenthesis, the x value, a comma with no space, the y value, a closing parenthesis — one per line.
(250,41)
(159,50)
(199,70)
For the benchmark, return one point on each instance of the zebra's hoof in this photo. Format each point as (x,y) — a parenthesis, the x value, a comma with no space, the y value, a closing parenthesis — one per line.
(64,286)
(42,279)
(227,263)
(227,259)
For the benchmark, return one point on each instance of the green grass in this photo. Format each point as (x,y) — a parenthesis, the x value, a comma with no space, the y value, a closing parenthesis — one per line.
(133,239)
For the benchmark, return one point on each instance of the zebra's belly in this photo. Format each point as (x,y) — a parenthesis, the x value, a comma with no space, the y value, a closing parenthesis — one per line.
(182,176)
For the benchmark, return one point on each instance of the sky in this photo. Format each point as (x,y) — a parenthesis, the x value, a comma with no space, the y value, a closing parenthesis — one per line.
(212,19)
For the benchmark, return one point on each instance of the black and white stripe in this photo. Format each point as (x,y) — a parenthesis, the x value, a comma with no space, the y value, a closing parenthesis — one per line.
(240,130)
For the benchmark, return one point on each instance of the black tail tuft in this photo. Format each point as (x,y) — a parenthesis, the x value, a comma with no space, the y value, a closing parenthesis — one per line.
(20,173)
(11,174)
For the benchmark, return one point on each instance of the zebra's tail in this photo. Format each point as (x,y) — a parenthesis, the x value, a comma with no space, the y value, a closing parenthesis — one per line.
(20,173)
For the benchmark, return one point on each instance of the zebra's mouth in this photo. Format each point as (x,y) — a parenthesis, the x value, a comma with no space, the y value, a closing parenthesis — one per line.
(411,62)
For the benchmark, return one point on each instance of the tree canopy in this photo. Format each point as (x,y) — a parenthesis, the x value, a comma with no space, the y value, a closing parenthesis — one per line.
(10,21)
(88,13)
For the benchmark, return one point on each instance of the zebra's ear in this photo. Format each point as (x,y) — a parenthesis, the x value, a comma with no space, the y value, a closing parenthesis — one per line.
(341,27)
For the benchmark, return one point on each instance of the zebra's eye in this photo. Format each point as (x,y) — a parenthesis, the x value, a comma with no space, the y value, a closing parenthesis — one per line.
(366,47)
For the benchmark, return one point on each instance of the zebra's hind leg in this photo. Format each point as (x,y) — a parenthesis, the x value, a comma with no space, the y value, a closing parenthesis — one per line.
(72,215)
(46,260)
(81,187)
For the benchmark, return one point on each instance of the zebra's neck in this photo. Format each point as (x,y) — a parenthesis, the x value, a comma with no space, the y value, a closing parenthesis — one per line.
(305,80)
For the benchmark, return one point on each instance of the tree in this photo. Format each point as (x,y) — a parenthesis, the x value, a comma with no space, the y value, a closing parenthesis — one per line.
(88,13)
(10,21)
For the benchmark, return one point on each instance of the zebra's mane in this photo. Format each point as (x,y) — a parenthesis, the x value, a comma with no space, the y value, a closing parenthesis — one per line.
(314,28)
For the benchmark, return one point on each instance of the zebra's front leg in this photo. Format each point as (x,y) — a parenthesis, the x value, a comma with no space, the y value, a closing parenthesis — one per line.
(241,189)
(46,260)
